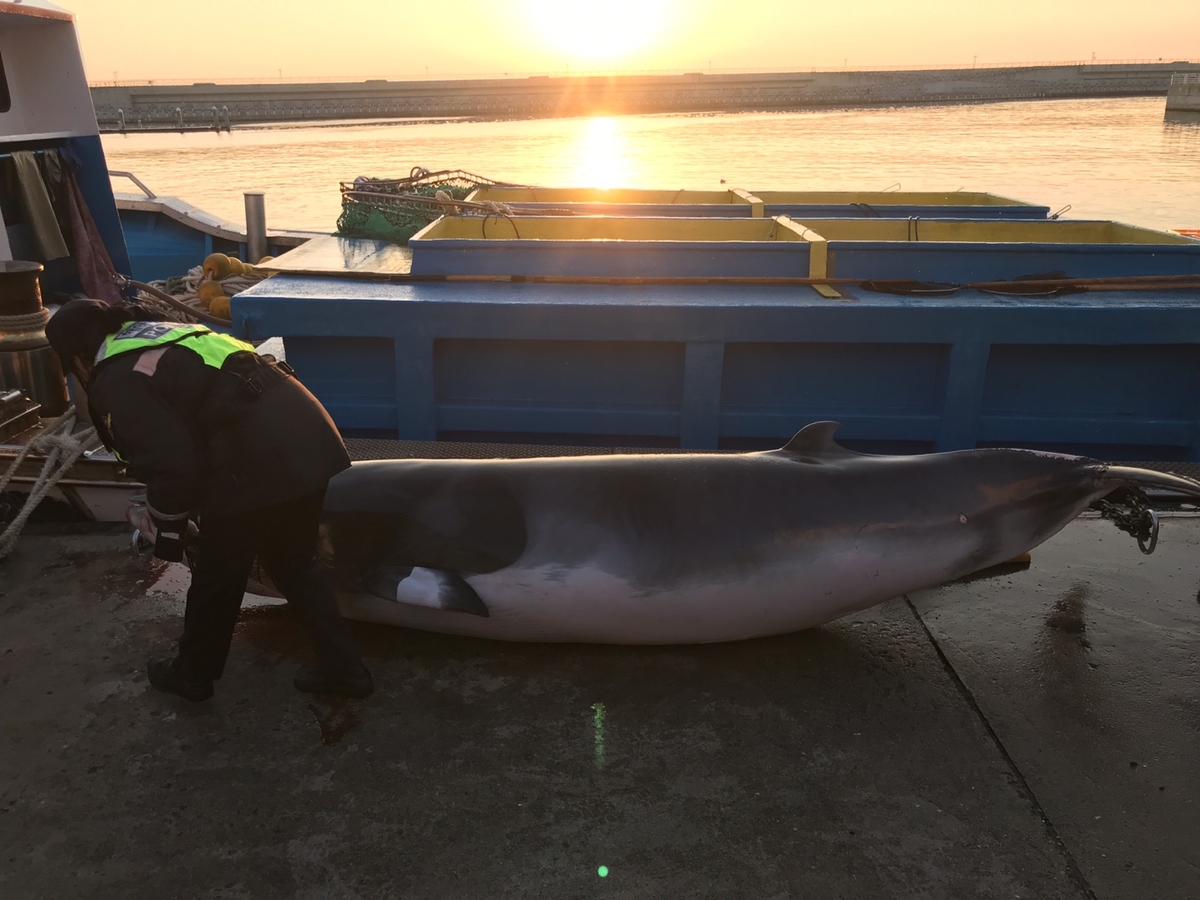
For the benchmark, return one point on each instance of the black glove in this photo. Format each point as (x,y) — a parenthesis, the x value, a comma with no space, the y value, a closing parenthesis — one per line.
(169,542)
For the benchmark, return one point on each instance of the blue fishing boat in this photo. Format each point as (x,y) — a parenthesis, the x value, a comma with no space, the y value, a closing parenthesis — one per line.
(167,236)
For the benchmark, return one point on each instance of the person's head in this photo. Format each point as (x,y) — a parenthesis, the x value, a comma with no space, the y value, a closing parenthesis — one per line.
(78,329)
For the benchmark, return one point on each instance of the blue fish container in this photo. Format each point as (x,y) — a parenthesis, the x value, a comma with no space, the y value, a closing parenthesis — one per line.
(739,203)
(964,252)
(1111,375)
(897,205)
(730,204)
(602,246)
(955,251)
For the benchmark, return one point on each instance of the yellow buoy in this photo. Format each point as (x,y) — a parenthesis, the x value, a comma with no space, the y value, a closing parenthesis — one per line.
(216,266)
(220,308)
(236,266)
(210,291)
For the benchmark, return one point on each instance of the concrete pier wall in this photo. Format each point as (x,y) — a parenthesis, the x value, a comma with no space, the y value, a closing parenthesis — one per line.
(1184,93)
(160,107)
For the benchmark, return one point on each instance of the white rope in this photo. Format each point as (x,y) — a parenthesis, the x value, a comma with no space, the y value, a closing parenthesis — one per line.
(187,290)
(62,449)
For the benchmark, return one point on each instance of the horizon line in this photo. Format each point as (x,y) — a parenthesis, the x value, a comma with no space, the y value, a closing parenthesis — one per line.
(613,73)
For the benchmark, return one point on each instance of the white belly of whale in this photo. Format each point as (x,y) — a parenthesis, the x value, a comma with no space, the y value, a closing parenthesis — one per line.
(587,604)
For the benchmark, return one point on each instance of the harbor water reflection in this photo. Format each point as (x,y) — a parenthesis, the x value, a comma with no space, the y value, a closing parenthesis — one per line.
(1109,158)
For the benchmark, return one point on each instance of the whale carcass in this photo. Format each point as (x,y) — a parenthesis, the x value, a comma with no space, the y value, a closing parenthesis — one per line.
(688,548)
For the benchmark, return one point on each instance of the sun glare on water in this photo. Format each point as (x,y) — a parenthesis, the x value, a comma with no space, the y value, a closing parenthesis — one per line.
(598,30)
(603,159)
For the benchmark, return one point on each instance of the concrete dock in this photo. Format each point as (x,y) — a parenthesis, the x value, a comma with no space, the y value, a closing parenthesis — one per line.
(1032,735)
(1183,95)
(167,107)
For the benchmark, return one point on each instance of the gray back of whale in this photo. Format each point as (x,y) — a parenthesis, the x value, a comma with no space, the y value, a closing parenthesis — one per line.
(811,525)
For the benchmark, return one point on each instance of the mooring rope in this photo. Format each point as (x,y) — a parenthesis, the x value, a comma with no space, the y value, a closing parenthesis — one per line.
(173,296)
(26,322)
(62,449)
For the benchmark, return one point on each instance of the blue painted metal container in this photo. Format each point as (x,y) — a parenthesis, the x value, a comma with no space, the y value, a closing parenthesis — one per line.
(739,203)
(742,366)
(897,205)
(727,204)
(602,246)
(956,251)
(963,252)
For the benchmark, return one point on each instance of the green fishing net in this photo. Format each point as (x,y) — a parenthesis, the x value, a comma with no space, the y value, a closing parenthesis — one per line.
(394,209)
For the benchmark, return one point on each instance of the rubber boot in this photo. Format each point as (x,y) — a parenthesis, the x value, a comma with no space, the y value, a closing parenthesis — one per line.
(165,675)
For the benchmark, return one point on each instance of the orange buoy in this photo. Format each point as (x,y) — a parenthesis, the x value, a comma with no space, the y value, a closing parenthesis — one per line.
(216,266)
(210,291)
(220,307)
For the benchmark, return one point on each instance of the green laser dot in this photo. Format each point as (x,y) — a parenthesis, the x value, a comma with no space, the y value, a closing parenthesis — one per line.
(602,871)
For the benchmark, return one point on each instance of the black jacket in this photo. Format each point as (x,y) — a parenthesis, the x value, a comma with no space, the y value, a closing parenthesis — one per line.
(202,441)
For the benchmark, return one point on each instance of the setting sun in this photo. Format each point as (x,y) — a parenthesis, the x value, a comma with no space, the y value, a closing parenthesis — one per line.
(598,29)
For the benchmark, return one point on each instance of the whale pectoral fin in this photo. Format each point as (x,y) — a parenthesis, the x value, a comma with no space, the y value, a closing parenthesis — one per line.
(382,583)
(432,588)
(816,442)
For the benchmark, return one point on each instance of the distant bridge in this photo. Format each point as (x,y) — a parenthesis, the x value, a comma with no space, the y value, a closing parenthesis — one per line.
(162,107)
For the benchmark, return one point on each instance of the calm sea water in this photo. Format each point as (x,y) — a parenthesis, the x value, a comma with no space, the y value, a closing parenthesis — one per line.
(1110,159)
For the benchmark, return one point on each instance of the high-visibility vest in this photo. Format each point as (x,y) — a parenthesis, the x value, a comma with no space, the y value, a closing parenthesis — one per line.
(212,347)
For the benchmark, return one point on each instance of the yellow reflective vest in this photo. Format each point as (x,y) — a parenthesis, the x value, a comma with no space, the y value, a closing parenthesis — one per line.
(211,347)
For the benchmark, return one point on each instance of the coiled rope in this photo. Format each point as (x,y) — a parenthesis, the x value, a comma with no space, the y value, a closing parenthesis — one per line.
(27,322)
(172,296)
(62,449)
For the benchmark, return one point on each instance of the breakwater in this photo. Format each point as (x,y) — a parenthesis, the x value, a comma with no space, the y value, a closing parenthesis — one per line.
(159,107)
(1183,95)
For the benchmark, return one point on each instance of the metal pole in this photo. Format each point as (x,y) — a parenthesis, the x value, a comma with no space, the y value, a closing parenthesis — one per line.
(256,226)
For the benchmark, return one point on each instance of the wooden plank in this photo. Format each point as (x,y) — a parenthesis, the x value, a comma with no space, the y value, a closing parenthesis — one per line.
(343,256)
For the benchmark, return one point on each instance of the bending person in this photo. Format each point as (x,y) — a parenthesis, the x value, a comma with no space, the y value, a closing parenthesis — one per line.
(224,435)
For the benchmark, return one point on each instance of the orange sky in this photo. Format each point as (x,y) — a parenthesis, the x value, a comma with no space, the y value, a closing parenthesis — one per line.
(257,39)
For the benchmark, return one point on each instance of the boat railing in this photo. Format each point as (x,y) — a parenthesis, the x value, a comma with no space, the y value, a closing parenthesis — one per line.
(1185,78)
(145,190)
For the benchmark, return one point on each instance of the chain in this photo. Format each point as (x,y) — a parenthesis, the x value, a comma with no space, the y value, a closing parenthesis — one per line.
(1129,509)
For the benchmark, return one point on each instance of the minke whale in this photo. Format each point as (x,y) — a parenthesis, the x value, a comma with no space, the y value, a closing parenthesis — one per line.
(688,548)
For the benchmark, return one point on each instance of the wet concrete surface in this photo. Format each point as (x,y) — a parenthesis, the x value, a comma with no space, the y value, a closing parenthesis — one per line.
(849,761)
(1087,667)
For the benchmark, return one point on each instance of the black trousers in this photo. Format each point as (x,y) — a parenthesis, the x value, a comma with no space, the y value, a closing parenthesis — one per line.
(284,538)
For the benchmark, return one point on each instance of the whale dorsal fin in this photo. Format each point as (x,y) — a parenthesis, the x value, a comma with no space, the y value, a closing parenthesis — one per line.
(816,441)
